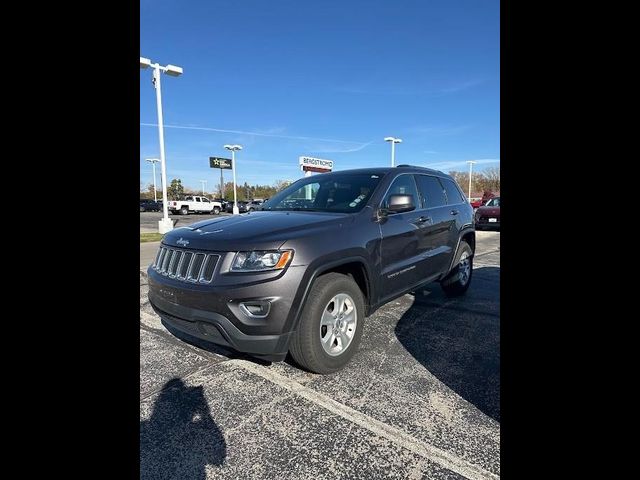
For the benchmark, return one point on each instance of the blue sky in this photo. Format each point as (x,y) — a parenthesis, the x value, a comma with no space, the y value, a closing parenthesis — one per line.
(328,79)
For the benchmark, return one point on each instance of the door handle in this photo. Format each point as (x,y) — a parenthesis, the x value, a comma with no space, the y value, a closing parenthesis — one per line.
(423,219)
(454,212)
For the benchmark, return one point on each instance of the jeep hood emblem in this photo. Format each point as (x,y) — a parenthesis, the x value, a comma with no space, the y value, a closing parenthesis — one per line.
(182,242)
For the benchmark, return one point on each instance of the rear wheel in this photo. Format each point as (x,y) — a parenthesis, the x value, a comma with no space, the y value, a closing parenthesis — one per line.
(216,210)
(142,209)
(184,211)
(458,281)
(330,326)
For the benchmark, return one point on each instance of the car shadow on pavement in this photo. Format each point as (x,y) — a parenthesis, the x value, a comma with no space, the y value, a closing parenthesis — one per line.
(458,339)
(180,438)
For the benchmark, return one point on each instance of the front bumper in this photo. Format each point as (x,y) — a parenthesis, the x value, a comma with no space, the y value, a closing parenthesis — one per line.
(212,312)
(217,329)
(484,223)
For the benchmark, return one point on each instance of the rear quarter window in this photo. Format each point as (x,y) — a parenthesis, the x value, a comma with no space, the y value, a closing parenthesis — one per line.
(453,192)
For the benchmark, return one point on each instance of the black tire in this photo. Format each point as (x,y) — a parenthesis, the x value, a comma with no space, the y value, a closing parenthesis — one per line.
(457,282)
(216,211)
(142,209)
(184,211)
(306,348)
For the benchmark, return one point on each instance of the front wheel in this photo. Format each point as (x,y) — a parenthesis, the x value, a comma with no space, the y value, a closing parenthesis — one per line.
(216,211)
(330,326)
(184,211)
(459,279)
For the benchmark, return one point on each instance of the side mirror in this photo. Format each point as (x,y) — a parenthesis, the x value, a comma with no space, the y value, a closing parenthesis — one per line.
(400,203)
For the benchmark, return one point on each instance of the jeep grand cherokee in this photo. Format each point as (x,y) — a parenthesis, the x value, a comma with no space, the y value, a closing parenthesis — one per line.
(302,274)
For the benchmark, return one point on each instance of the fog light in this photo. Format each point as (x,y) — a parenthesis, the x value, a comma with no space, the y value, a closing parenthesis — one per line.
(256,309)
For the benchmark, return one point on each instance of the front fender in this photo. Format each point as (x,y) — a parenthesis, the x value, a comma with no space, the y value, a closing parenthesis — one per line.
(323,265)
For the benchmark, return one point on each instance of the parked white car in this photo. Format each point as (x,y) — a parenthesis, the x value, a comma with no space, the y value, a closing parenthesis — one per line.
(194,204)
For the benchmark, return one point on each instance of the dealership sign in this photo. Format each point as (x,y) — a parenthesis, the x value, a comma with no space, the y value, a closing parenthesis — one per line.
(217,162)
(310,164)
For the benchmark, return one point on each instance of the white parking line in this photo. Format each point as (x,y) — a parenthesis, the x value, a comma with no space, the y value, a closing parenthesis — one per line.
(445,459)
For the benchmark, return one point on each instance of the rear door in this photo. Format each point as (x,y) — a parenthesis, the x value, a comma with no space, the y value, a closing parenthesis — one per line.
(438,225)
(461,215)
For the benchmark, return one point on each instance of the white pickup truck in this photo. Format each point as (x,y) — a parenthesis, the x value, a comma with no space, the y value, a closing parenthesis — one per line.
(194,204)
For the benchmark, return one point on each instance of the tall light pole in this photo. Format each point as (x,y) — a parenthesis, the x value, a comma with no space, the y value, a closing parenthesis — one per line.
(393,149)
(234,149)
(470,162)
(203,182)
(153,162)
(165,225)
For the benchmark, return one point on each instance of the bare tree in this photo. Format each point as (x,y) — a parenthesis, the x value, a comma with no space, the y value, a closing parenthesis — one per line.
(479,182)
(492,178)
(482,181)
(147,193)
(462,179)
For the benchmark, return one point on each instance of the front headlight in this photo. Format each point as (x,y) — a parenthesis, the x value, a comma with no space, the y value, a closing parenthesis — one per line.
(261,260)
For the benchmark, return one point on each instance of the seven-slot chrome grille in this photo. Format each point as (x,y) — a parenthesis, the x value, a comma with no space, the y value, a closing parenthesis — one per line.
(186,265)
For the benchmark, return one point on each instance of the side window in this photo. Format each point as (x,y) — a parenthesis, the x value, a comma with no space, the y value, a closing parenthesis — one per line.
(188,199)
(431,190)
(197,199)
(453,192)
(403,185)
(205,200)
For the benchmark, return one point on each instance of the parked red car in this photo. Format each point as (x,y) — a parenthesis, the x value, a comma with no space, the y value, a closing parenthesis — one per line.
(488,215)
(477,203)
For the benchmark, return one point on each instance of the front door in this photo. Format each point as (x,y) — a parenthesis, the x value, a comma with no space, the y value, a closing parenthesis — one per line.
(402,246)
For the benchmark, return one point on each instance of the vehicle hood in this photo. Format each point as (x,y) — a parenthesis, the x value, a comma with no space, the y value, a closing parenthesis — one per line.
(259,230)
(489,211)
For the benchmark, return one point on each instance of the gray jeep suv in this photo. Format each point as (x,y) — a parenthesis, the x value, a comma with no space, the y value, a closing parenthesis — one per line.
(302,274)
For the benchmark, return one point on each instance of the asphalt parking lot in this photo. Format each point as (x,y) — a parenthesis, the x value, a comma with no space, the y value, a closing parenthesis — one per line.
(420,399)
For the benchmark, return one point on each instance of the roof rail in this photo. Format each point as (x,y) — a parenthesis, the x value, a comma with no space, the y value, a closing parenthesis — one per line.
(405,165)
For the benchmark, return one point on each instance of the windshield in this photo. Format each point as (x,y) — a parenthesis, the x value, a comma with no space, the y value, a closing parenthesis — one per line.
(494,202)
(343,193)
